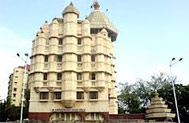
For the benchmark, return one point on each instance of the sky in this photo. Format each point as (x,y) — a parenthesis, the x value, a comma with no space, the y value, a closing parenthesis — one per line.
(151,33)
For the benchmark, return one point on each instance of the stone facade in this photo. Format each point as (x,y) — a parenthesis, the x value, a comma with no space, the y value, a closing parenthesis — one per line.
(15,85)
(72,68)
(158,111)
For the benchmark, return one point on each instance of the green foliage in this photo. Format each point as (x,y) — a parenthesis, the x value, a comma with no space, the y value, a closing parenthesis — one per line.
(26,103)
(135,98)
(128,101)
(182,93)
(10,112)
(3,114)
(145,89)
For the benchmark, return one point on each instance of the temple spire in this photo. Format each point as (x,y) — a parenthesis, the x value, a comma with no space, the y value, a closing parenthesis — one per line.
(96,5)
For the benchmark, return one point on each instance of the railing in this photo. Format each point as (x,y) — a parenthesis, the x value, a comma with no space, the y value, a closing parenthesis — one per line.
(79,66)
(46,66)
(93,65)
(45,83)
(46,48)
(59,66)
(79,48)
(79,83)
(93,83)
(93,50)
(59,48)
(58,83)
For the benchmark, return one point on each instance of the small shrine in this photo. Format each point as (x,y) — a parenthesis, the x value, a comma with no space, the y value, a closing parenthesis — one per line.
(158,111)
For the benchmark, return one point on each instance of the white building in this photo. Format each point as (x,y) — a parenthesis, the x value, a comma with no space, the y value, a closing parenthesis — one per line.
(72,68)
(15,85)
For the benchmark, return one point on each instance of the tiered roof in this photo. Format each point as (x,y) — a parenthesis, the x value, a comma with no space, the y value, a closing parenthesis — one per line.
(158,109)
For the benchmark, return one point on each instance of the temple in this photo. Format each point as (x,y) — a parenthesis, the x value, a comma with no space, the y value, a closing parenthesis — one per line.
(72,73)
(158,111)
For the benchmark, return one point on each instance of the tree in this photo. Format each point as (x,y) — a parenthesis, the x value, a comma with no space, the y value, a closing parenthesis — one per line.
(11,112)
(128,101)
(26,103)
(142,91)
(3,114)
(182,93)
(145,89)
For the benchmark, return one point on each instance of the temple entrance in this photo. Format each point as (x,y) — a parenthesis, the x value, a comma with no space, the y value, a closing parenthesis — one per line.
(59,117)
(94,117)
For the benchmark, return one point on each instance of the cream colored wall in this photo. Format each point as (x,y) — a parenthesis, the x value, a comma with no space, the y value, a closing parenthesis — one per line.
(99,45)
(17,76)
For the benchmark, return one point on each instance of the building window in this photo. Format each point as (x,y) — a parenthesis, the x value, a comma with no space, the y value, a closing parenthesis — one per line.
(14,95)
(46,58)
(93,76)
(14,100)
(79,41)
(15,83)
(59,76)
(60,41)
(79,76)
(45,76)
(16,76)
(15,89)
(57,95)
(93,95)
(94,31)
(80,95)
(92,58)
(79,58)
(59,58)
(44,95)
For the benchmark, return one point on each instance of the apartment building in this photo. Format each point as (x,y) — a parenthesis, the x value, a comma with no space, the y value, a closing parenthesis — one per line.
(15,85)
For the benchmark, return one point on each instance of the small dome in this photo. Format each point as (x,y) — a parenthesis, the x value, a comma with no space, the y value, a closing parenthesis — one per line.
(70,9)
(55,21)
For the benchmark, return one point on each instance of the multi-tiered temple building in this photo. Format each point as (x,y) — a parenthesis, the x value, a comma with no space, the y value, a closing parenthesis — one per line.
(72,68)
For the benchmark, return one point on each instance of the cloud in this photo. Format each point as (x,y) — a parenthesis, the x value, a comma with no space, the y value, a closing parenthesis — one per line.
(176,71)
(160,68)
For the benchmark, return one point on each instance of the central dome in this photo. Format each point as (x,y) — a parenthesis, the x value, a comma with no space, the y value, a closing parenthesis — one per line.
(98,20)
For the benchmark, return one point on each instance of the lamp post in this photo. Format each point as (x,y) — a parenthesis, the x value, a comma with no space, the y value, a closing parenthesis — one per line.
(170,66)
(23,84)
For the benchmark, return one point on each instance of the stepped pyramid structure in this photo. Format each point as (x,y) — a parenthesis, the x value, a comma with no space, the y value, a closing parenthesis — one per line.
(158,111)
(72,68)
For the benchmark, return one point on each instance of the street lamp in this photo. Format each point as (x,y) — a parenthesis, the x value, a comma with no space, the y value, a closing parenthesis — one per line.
(23,84)
(170,66)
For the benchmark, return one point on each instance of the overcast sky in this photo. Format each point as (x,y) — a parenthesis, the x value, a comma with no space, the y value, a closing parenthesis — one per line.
(151,32)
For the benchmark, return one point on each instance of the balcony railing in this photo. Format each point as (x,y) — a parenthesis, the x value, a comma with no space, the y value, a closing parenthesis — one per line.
(59,66)
(93,83)
(93,50)
(79,48)
(58,83)
(59,48)
(46,48)
(46,66)
(79,66)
